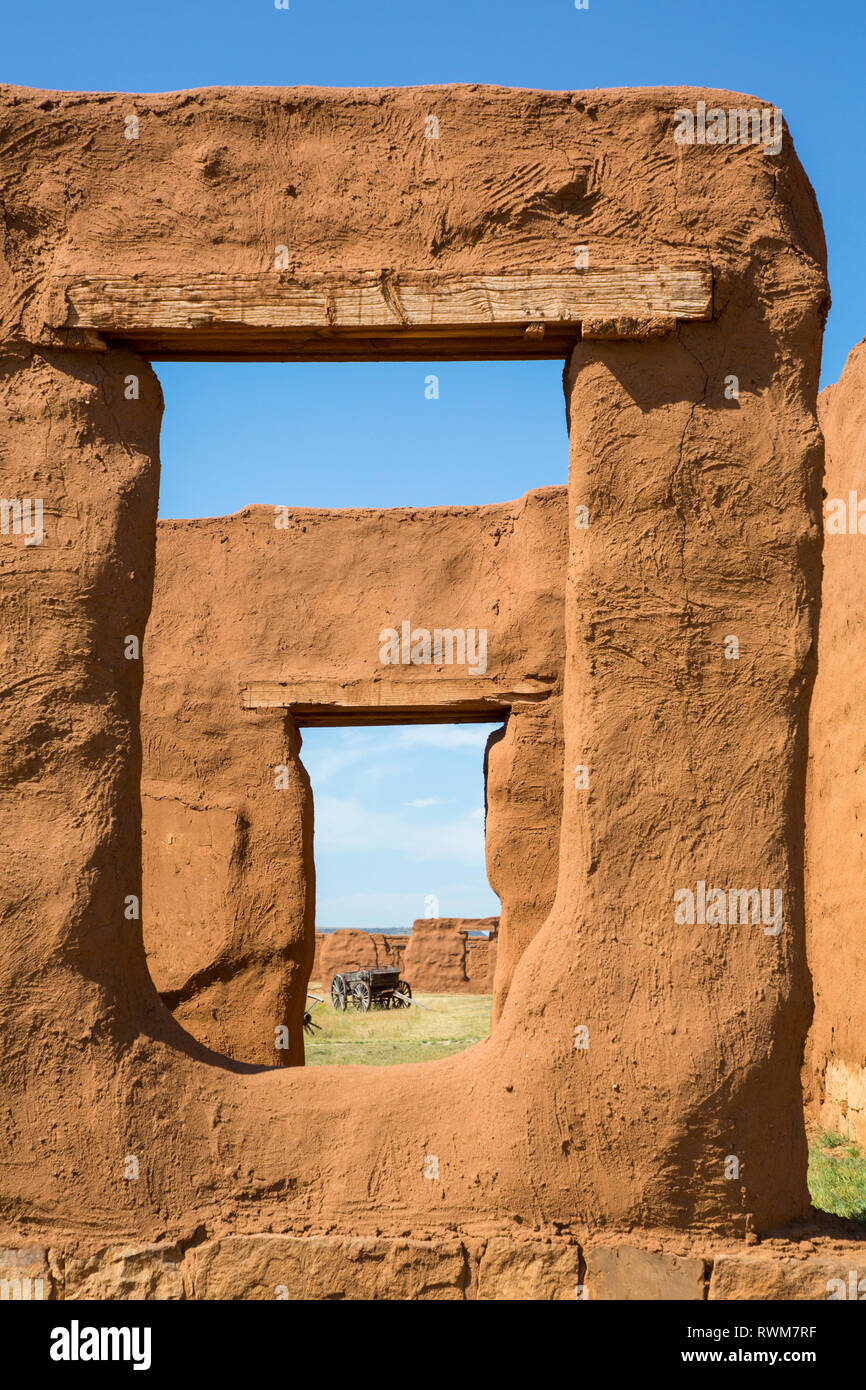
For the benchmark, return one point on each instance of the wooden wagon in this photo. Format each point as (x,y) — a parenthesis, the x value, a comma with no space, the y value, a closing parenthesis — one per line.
(376,988)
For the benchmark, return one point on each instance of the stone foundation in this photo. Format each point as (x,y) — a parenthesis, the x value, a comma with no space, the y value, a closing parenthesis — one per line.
(498,1268)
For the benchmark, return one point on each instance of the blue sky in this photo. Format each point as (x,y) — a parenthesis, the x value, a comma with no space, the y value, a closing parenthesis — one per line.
(357,434)
(364,434)
(806,57)
(398,812)
(399,824)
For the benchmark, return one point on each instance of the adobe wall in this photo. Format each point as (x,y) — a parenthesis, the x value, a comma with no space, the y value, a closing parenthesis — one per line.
(524,767)
(228,887)
(219,177)
(441,958)
(704,522)
(340,950)
(836,803)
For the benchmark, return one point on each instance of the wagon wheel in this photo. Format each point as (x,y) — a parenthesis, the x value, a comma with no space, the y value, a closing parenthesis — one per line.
(338,993)
(406,991)
(360,996)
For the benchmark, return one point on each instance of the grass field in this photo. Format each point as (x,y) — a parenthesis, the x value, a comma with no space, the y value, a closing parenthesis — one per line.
(837,1176)
(446,1023)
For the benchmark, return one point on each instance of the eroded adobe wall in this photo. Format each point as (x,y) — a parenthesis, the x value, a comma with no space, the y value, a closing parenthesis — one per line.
(704,522)
(696,756)
(836,804)
(300,597)
(227,867)
(73,978)
(440,958)
(338,951)
(524,765)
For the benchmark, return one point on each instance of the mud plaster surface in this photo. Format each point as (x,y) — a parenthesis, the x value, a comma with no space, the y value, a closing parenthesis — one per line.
(705,522)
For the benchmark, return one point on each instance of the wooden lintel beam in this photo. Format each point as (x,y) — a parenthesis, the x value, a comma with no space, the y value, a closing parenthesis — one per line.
(449,700)
(531,311)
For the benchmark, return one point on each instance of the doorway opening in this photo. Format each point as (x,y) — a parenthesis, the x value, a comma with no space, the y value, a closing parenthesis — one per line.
(327,505)
(406,920)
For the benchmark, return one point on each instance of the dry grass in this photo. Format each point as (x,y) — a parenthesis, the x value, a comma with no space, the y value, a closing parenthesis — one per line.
(445,1024)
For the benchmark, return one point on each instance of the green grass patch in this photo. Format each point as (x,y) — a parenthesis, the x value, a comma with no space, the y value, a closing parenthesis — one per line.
(446,1023)
(837,1176)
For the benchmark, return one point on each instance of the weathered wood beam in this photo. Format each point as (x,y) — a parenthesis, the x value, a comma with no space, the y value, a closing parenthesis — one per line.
(270,314)
(446,700)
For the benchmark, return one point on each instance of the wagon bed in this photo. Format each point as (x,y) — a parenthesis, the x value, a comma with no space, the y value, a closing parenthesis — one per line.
(377,987)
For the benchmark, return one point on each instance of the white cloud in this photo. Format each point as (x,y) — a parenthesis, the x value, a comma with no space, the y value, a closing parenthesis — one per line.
(349,748)
(325,762)
(377,856)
